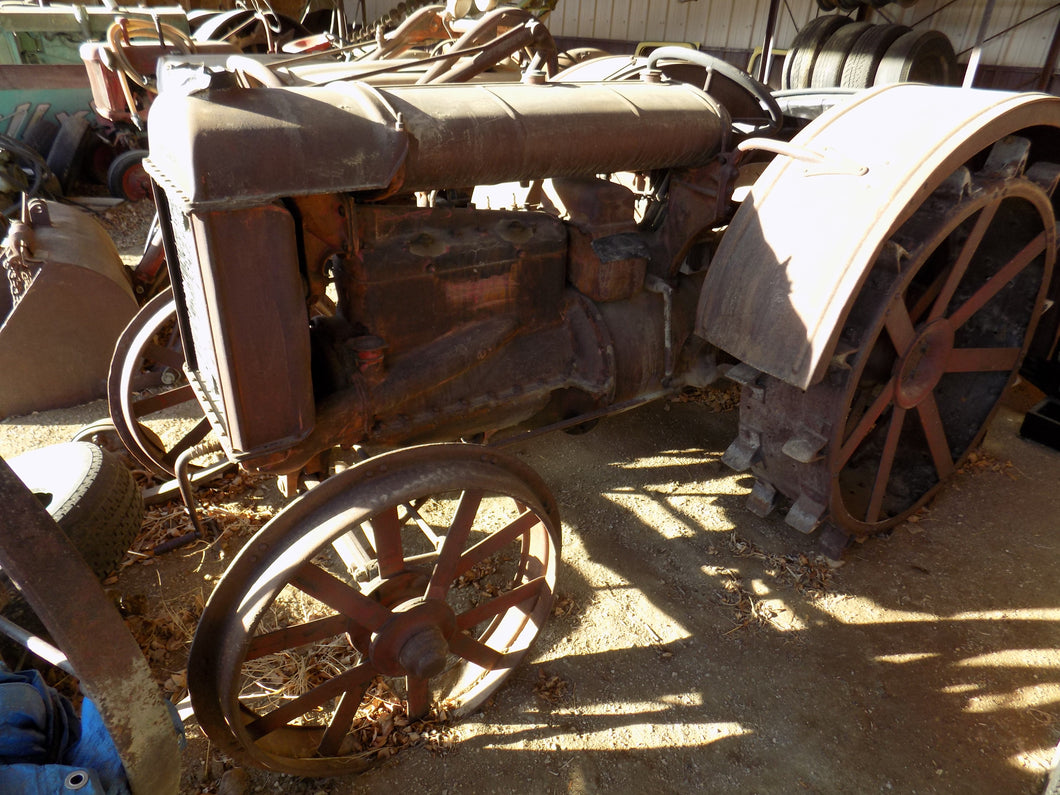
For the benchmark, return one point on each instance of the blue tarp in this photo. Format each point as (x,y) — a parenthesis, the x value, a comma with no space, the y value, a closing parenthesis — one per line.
(46,750)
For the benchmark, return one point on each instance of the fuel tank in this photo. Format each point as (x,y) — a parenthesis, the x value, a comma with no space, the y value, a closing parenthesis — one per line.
(240,147)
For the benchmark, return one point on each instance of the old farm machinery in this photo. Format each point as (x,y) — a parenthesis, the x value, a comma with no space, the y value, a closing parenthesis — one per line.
(368,267)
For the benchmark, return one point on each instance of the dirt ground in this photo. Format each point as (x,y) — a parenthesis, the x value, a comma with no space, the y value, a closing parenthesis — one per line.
(689,659)
(698,647)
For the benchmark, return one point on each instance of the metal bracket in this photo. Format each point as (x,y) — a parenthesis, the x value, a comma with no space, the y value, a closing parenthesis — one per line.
(827,162)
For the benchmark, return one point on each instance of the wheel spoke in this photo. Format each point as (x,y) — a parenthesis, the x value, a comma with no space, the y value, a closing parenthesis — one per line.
(493,607)
(168,357)
(192,437)
(386,536)
(326,588)
(997,282)
(931,421)
(982,360)
(412,511)
(495,542)
(453,545)
(960,265)
(418,696)
(883,471)
(475,651)
(352,681)
(342,720)
(927,299)
(358,630)
(899,326)
(297,635)
(867,422)
(163,400)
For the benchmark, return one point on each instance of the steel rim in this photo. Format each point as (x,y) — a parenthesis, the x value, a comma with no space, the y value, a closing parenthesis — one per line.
(937,347)
(147,377)
(393,610)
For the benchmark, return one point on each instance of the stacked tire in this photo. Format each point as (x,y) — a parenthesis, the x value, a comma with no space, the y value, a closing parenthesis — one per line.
(834,51)
(852,5)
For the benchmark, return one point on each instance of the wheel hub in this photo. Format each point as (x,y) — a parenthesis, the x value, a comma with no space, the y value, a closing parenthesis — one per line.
(920,369)
(415,641)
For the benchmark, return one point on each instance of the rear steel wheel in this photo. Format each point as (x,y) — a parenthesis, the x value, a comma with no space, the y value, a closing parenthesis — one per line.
(416,578)
(945,342)
(932,341)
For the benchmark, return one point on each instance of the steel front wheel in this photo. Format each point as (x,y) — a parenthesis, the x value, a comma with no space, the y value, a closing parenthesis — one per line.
(412,581)
(147,382)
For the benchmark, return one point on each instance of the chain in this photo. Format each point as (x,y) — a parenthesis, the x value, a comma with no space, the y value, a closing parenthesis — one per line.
(15,256)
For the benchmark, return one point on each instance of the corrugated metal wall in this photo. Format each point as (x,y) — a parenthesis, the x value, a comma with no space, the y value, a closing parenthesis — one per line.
(739,25)
(1025,45)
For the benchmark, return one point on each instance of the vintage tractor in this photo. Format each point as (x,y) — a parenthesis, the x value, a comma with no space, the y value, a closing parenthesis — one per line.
(361,268)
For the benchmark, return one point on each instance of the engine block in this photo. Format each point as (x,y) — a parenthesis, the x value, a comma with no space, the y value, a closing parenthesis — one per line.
(340,282)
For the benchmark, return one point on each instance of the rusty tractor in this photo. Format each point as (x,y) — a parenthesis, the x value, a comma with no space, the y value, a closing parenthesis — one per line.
(431,270)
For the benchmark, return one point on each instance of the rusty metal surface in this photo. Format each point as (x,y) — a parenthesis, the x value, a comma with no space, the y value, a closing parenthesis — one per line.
(56,341)
(605,261)
(87,628)
(398,607)
(503,31)
(424,25)
(353,137)
(251,359)
(147,376)
(935,337)
(458,265)
(777,295)
(360,292)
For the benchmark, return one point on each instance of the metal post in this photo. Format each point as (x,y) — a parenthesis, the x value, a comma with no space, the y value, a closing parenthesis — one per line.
(977,50)
(1049,67)
(767,47)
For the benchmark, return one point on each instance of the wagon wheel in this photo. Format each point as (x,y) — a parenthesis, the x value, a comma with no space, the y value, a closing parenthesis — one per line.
(146,381)
(932,341)
(418,578)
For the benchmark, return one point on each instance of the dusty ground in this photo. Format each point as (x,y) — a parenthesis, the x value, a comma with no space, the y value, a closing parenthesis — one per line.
(690,660)
(697,651)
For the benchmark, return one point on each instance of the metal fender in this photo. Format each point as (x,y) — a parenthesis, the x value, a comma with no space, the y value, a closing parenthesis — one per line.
(798,250)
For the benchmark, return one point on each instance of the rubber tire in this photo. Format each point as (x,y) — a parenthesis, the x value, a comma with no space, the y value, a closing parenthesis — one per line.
(41,135)
(859,71)
(67,154)
(920,56)
(90,494)
(828,68)
(798,63)
(120,182)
